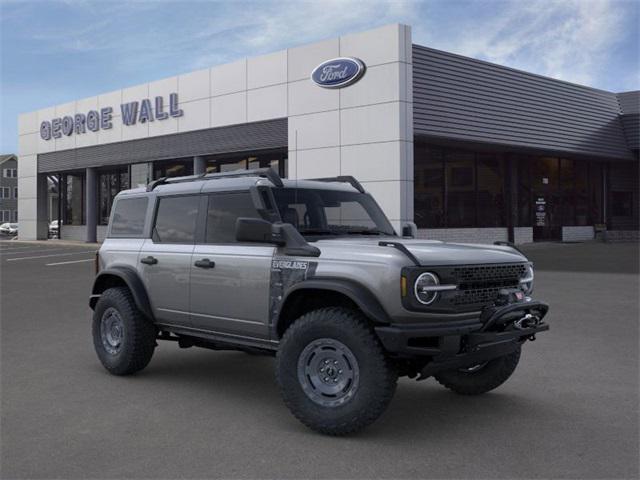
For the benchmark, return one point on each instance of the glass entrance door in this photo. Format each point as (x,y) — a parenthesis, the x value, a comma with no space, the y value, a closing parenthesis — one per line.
(546,201)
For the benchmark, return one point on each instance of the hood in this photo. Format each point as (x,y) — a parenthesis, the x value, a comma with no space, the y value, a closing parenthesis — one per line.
(428,252)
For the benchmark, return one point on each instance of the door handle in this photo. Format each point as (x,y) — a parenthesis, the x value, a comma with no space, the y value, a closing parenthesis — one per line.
(149,260)
(205,263)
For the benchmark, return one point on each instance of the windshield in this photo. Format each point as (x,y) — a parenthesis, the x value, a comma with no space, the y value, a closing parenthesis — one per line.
(331,212)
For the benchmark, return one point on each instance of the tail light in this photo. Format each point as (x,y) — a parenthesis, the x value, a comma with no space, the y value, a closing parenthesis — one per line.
(96,263)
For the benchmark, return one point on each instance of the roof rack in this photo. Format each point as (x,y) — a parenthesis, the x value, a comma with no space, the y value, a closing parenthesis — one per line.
(342,179)
(267,173)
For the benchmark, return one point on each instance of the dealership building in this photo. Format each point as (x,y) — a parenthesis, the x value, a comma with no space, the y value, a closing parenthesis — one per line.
(468,150)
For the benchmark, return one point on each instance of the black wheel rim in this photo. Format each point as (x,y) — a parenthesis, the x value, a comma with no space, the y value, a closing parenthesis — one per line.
(111,330)
(328,372)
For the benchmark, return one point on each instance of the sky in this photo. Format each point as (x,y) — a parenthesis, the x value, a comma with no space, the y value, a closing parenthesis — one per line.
(55,51)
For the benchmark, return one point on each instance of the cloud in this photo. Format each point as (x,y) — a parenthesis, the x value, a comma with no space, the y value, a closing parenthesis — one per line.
(569,40)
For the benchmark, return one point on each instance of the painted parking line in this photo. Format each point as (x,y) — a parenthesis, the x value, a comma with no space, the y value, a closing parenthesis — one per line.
(52,255)
(69,262)
(34,250)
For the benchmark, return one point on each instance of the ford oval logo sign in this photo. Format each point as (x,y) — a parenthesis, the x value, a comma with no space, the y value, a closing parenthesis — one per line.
(338,73)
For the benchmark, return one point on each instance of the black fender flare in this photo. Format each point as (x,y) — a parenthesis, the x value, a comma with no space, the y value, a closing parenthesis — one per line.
(133,281)
(359,294)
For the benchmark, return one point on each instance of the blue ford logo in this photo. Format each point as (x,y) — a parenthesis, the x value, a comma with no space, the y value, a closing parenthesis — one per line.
(338,73)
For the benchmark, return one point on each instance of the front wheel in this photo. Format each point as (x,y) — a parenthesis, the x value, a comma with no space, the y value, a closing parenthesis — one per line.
(333,373)
(481,378)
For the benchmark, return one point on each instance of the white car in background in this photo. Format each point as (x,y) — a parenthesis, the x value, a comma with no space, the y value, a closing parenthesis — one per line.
(54,229)
(9,228)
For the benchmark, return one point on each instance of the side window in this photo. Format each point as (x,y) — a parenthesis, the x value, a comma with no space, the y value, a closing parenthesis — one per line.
(128,216)
(224,209)
(176,219)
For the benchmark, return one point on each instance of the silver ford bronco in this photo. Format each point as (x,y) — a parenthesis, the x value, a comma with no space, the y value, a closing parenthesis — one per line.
(311,272)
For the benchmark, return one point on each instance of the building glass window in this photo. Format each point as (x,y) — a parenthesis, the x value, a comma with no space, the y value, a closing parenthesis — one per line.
(460,189)
(73,192)
(173,168)
(110,183)
(275,160)
(429,187)
(491,198)
(596,193)
(523,189)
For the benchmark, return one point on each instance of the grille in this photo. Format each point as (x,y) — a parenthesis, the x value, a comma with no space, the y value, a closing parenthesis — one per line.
(479,285)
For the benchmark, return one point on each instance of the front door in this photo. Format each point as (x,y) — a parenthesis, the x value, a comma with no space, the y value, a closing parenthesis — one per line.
(165,259)
(230,281)
(547,225)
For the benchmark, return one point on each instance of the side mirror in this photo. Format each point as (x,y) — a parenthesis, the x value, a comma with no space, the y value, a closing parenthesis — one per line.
(256,230)
(281,234)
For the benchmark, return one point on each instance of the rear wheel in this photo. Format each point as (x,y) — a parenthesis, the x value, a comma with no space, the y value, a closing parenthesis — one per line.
(481,378)
(122,337)
(333,373)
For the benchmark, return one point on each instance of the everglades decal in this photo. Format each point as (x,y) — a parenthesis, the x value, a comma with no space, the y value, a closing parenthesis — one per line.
(285,273)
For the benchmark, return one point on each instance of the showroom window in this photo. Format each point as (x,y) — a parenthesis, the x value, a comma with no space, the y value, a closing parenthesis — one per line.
(73,196)
(110,183)
(457,188)
(173,168)
(275,159)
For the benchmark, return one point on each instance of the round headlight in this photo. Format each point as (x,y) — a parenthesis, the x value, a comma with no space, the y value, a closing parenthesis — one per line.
(526,282)
(422,290)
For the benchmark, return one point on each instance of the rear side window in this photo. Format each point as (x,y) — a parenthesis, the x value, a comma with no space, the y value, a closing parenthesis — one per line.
(128,217)
(224,210)
(176,219)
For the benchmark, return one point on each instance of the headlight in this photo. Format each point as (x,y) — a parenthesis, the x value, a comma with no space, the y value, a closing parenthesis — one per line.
(423,288)
(526,282)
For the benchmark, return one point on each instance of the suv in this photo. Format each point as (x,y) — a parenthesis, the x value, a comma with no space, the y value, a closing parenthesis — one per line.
(311,272)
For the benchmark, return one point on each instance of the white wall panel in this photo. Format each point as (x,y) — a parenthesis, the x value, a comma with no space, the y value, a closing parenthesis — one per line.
(380,84)
(229,109)
(370,124)
(315,130)
(266,103)
(111,99)
(229,78)
(194,85)
(317,163)
(267,70)
(28,123)
(303,59)
(162,88)
(306,97)
(197,115)
(131,94)
(28,144)
(373,47)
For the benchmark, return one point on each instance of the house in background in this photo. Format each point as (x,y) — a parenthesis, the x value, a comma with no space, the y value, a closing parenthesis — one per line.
(9,188)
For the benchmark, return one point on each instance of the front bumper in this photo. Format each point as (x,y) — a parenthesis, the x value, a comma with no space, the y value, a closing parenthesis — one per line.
(450,345)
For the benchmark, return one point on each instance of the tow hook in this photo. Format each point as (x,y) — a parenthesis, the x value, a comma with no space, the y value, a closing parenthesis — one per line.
(526,321)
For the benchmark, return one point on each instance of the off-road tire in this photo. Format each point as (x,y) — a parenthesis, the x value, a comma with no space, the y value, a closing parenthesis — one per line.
(377,376)
(487,378)
(138,338)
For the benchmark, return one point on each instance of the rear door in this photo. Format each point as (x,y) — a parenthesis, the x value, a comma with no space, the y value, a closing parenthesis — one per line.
(230,280)
(165,259)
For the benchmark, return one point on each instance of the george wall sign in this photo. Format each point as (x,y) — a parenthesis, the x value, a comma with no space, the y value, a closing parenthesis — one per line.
(338,72)
(94,120)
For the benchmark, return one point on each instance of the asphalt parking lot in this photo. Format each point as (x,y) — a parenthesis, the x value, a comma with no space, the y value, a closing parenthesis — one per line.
(569,411)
